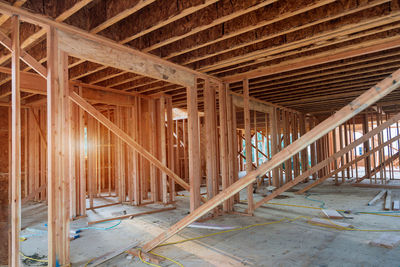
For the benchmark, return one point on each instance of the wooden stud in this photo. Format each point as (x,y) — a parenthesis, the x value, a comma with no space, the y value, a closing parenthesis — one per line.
(249,160)
(194,148)
(15,144)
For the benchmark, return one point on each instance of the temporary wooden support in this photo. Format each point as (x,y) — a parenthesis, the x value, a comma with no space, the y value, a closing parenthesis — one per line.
(15,167)
(356,106)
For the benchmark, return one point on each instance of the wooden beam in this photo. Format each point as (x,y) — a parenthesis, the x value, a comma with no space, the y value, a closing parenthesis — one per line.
(215,22)
(238,100)
(356,106)
(317,60)
(146,65)
(15,143)
(121,14)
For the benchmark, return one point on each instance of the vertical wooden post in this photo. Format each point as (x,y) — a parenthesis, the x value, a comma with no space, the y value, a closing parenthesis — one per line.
(274,145)
(355,149)
(247,127)
(135,155)
(334,151)
(304,152)
(82,161)
(58,143)
(286,139)
(153,150)
(256,139)
(185,149)
(194,147)
(163,140)
(211,155)
(367,161)
(341,147)
(234,151)
(15,143)
(313,149)
(171,159)
(224,141)
(231,148)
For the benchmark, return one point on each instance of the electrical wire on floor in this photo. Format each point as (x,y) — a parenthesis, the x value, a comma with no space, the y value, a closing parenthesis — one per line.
(307,196)
(32,259)
(334,225)
(152,264)
(100,228)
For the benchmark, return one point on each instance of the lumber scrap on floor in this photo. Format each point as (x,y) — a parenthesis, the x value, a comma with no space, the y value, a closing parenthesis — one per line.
(388,200)
(376,198)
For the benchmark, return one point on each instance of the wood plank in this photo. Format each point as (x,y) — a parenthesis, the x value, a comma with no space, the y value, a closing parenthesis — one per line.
(356,106)
(211,142)
(376,198)
(248,149)
(332,214)
(116,57)
(194,148)
(274,145)
(396,204)
(163,143)
(386,240)
(15,167)
(318,221)
(223,142)
(388,200)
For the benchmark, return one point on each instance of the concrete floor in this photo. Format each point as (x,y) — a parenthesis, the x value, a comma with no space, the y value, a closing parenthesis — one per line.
(282,244)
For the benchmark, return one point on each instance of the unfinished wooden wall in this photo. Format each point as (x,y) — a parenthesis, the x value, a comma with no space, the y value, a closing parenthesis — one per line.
(4,178)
